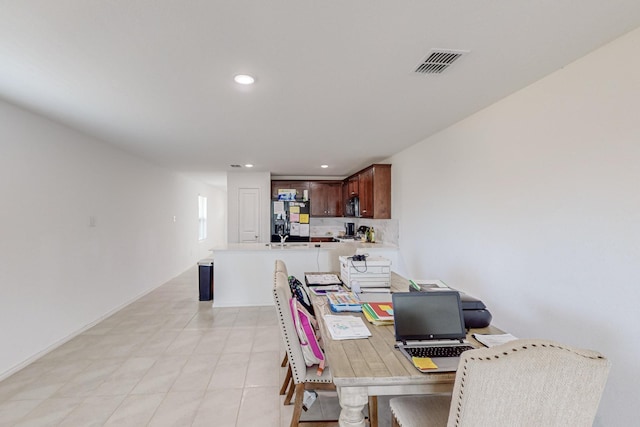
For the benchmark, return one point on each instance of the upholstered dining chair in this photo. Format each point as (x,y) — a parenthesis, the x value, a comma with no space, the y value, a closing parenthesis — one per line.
(287,384)
(303,378)
(520,383)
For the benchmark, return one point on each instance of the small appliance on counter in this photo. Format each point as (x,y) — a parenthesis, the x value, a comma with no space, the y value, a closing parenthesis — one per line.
(350,229)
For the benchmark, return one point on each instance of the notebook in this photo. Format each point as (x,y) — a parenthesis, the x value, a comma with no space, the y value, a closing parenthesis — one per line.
(423,319)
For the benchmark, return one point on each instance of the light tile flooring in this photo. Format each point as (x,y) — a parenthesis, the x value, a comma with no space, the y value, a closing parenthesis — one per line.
(164,360)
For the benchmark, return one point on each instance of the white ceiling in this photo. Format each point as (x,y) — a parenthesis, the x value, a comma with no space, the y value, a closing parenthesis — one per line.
(335,81)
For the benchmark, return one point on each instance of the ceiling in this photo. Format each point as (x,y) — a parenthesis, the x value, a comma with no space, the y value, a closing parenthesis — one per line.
(335,80)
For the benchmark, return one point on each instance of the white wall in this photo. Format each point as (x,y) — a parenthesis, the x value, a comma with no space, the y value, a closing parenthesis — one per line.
(534,205)
(58,274)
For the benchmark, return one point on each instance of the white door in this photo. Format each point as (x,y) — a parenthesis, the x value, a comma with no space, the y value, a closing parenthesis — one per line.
(249,214)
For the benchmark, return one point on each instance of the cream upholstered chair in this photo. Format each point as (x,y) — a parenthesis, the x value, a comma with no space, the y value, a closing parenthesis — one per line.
(303,377)
(287,384)
(520,383)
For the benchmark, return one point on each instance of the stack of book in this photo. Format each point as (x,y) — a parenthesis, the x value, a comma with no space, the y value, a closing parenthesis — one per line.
(378,313)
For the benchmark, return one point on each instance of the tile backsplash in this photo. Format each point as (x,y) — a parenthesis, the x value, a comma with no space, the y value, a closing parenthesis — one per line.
(386,229)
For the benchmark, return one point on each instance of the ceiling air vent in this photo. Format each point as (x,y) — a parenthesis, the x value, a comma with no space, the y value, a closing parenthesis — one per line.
(439,60)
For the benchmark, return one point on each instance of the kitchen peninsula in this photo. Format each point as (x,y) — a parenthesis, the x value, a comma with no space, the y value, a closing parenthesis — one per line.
(243,271)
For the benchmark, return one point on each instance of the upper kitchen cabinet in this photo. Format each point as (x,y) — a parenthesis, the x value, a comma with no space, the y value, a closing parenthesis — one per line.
(299,186)
(326,198)
(374,185)
(353,184)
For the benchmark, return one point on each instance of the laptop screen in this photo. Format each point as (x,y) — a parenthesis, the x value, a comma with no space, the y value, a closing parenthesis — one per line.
(428,315)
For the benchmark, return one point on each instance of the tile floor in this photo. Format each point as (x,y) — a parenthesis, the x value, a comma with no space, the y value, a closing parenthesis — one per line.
(164,360)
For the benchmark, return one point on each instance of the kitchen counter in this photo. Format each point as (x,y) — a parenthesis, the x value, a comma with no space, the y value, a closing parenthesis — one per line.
(243,272)
(353,245)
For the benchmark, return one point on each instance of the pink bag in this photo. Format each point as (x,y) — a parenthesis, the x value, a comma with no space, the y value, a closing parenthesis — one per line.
(305,327)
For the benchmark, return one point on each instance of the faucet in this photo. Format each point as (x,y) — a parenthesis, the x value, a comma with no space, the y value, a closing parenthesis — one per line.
(282,239)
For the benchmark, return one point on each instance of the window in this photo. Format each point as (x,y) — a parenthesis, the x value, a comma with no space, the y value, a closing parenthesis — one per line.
(202,217)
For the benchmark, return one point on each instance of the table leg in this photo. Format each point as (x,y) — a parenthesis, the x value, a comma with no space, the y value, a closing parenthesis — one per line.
(352,402)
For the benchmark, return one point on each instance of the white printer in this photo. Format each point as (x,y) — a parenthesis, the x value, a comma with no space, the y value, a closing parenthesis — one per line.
(371,274)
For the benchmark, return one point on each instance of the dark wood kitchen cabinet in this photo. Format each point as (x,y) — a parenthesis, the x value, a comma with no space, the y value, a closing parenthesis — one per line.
(299,186)
(353,184)
(326,198)
(374,185)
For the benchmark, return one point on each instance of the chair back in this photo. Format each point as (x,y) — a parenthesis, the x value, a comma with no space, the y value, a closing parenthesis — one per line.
(528,383)
(281,267)
(282,297)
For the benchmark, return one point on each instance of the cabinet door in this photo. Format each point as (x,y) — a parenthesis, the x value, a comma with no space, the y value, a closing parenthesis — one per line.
(365,179)
(326,198)
(334,199)
(318,198)
(382,191)
(353,186)
(345,195)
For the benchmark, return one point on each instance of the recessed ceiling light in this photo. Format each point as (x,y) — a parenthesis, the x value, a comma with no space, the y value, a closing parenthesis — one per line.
(248,165)
(324,166)
(244,79)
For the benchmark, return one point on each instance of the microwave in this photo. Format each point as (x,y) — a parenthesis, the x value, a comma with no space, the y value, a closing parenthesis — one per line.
(352,207)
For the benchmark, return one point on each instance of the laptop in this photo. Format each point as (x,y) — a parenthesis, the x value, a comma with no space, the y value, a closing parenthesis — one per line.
(429,319)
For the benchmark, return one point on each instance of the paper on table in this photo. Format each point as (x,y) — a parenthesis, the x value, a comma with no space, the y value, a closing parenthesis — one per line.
(322,279)
(424,363)
(346,327)
(494,340)
(429,285)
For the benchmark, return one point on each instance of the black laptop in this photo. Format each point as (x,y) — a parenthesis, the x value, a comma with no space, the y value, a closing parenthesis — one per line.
(430,324)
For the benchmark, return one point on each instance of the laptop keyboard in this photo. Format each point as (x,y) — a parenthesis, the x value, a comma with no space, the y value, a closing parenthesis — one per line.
(448,351)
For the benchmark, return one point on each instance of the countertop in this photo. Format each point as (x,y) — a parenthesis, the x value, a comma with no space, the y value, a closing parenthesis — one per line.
(300,246)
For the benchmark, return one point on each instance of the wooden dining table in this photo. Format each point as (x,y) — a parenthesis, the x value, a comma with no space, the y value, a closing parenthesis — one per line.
(374,367)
